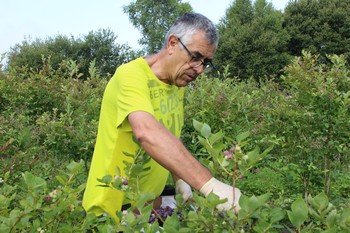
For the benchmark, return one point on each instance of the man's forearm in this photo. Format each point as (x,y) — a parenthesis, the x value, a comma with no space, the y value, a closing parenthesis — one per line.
(168,150)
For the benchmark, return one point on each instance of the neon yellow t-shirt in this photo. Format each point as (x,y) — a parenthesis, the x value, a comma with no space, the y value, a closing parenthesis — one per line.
(134,87)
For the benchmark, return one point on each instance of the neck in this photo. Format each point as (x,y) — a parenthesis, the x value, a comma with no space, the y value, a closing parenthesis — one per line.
(157,62)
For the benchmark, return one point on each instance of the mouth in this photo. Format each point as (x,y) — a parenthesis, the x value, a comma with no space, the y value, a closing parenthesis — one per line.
(190,78)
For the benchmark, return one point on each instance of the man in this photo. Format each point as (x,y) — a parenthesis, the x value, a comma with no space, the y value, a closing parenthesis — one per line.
(144,99)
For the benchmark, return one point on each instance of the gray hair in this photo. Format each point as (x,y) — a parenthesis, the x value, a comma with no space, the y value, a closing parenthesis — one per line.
(189,24)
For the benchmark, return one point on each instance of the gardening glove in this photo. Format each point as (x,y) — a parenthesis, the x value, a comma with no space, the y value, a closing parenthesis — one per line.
(223,191)
(181,187)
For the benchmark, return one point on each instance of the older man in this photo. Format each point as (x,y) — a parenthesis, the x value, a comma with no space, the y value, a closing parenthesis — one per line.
(144,99)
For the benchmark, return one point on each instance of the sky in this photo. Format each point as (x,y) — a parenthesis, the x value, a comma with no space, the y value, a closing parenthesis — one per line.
(31,19)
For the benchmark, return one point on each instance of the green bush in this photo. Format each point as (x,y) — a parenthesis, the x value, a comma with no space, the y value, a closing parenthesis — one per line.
(290,140)
(265,180)
(99,46)
(32,206)
(47,115)
(253,42)
(305,117)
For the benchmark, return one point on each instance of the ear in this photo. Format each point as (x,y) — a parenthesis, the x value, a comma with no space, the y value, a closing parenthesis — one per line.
(171,44)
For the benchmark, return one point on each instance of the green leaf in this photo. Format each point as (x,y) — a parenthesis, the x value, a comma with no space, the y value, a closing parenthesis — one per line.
(321,201)
(145,169)
(117,183)
(299,213)
(265,152)
(331,219)
(299,206)
(242,136)
(251,203)
(75,167)
(244,202)
(315,214)
(128,154)
(137,169)
(202,141)
(344,220)
(262,226)
(34,183)
(192,216)
(205,131)
(62,179)
(36,224)
(253,156)
(106,179)
(277,214)
(4,228)
(197,125)
(214,200)
(146,212)
(172,224)
(262,199)
(142,199)
(216,137)
(295,219)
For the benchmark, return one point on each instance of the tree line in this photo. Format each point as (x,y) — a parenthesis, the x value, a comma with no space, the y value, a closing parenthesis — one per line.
(256,40)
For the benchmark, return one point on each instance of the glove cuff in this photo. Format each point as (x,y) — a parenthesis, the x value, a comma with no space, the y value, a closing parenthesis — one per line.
(208,187)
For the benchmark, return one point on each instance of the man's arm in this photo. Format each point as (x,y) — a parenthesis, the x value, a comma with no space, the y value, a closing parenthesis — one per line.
(168,150)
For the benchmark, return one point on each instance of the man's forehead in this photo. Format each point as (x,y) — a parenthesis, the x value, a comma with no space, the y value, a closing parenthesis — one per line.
(201,46)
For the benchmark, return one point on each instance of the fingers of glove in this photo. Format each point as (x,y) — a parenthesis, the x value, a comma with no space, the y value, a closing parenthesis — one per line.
(230,203)
(223,191)
(184,189)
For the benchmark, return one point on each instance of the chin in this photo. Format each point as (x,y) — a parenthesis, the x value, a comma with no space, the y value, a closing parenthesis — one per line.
(180,85)
(183,83)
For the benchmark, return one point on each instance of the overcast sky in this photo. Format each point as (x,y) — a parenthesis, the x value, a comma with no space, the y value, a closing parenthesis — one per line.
(20,19)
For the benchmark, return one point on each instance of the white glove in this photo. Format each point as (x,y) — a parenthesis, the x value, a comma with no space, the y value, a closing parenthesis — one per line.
(181,187)
(223,191)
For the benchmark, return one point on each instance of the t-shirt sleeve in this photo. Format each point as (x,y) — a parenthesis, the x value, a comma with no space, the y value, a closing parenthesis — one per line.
(132,94)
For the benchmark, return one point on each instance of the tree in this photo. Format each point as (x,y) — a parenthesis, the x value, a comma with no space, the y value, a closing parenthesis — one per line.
(100,46)
(252,40)
(154,18)
(319,26)
(30,52)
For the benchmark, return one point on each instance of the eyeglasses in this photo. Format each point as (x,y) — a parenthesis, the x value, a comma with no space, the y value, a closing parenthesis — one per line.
(197,61)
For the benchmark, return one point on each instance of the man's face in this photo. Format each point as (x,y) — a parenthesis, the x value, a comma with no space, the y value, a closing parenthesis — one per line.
(191,59)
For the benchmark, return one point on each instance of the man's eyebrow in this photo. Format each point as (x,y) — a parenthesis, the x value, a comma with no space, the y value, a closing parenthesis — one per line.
(198,54)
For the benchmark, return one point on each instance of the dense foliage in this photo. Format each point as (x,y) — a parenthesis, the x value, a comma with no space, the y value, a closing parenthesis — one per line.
(153,20)
(284,145)
(99,46)
(306,118)
(252,40)
(319,26)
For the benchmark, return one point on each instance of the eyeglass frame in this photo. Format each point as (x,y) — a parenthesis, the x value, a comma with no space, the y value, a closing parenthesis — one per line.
(205,62)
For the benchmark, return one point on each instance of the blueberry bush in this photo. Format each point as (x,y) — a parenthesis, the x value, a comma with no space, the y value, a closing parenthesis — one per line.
(285,145)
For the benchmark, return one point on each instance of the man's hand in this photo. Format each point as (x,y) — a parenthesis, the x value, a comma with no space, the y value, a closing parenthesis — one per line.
(181,187)
(223,191)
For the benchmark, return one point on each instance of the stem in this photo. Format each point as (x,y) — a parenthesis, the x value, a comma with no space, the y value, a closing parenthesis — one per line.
(223,167)
(158,216)
(234,178)
(306,187)
(327,180)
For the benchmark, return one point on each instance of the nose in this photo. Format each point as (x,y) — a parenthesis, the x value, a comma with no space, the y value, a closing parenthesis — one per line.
(199,69)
